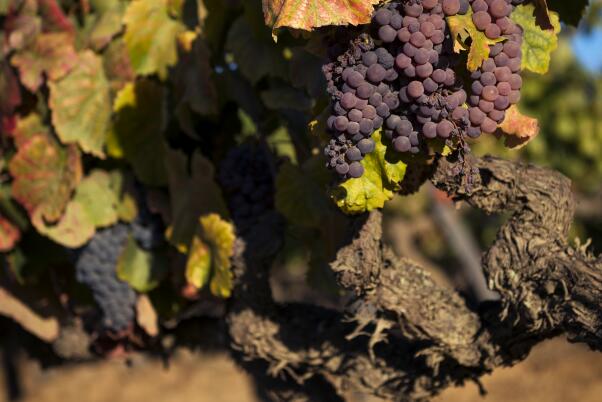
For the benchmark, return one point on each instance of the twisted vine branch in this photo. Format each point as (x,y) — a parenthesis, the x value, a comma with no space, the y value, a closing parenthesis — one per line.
(403,337)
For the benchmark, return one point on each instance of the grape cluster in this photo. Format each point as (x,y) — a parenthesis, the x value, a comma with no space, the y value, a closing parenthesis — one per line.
(95,267)
(401,76)
(247,178)
(496,84)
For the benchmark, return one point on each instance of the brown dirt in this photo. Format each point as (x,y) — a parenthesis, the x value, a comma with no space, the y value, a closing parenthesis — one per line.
(555,372)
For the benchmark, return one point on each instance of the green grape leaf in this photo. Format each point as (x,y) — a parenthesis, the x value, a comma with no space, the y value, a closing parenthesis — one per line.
(81,106)
(570,12)
(310,14)
(98,199)
(383,173)
(137,132)
(286,97)
(467,37)
(194,86)
(212,248)
(256,57)
(150,36)
(9,235)
(94,205)
(142,269)
(193,192)
(106,27)
(45,174)
(52,55)
(305,71)
(517,128)
(538,44)
(301,192)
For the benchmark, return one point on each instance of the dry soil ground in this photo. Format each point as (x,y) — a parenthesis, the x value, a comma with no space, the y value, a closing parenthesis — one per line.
(555,372)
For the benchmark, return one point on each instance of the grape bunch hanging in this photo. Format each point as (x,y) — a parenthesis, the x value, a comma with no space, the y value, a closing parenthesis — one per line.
(403,76)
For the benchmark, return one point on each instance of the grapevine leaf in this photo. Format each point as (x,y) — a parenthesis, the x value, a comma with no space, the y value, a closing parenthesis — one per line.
(192,77)
(198,266)
(214,237)
(141,269)
(518,128)
(381,178)
(137,132)
(74,228)
(28,127)
(310,14)
(107,26)
(301,193)
(146,316)
(97,198)
(94,205)
(52,54)
(81,106)
(462,29)
(24,30)
(9,235)
(127,210)
(116,62)
(570,12)
(286,97)
(150,36)
(44,175)
(193,193)
(542,14)
(538,44)
(256,57)
(305,71)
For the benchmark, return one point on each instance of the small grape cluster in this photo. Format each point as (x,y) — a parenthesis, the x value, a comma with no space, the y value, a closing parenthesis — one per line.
(95,267)
(401,76)
(247,178)
(496,84)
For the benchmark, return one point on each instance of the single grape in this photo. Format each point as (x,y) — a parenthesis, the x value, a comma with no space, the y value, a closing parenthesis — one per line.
(356,170)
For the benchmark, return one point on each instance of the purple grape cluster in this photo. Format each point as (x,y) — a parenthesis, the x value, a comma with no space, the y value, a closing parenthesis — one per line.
(247,178)
(496,84)
(401,76)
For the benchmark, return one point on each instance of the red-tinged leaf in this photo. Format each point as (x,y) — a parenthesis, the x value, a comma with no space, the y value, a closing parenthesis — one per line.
(117,66)
(54,17)
(9,235)
(26,128)
(52,54)
(22,30)
(310,14)
(517,128)
(80,104)
(44,175)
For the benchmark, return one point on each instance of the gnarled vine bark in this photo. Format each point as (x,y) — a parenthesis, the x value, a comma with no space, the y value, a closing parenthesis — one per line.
(402,336)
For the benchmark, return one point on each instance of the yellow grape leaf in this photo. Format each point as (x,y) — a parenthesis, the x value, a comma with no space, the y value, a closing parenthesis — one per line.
(462,28)
(310,14)
(538,44)
(209,257)
(151,36)
(142,269)
(518,128)
(383,173)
